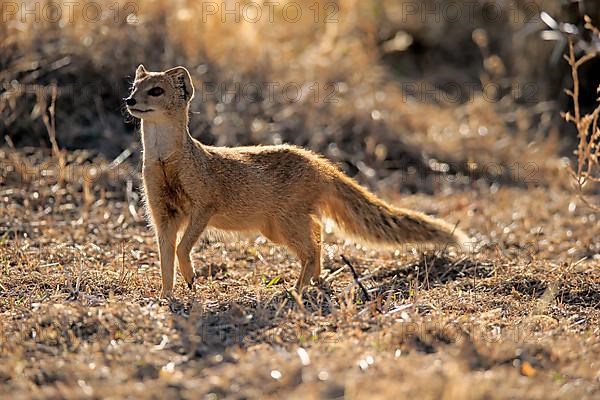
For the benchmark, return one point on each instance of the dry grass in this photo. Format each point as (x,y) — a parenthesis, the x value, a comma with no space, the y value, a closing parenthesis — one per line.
(587,172)
(80,316)
(371,98)
(79,279)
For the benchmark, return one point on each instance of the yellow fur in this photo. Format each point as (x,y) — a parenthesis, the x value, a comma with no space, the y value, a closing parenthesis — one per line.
(283,192)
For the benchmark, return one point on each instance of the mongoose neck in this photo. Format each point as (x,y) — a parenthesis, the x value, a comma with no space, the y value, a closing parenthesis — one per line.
(162,139)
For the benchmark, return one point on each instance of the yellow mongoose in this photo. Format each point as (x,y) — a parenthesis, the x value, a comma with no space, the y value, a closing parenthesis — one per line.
(279,191)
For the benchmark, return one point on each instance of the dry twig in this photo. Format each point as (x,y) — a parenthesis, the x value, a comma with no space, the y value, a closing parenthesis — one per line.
(588,164)
(356,277)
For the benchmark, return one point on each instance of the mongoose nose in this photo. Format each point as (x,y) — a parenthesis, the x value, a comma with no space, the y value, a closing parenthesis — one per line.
(130,101)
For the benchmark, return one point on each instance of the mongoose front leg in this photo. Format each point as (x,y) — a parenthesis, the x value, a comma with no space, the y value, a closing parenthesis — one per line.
(195,227)
(167,236)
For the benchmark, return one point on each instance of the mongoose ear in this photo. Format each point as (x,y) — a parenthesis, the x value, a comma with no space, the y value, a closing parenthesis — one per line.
(183,81)
(140,72)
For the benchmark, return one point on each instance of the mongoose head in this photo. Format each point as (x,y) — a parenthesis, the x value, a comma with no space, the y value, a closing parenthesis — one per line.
(158,96)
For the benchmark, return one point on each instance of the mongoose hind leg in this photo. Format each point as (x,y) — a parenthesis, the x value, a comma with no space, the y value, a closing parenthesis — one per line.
(310,255)
(303,236)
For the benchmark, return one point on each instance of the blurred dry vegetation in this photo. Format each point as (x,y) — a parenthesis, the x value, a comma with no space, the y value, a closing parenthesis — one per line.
(386,85)
(79,278)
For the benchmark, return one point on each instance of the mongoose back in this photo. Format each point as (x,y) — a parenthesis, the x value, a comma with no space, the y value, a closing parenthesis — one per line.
(283,192)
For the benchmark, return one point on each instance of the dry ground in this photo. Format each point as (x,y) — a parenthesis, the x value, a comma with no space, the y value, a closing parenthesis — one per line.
(518,318)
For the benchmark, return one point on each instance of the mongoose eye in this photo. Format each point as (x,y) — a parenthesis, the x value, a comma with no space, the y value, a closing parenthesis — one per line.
(156,91)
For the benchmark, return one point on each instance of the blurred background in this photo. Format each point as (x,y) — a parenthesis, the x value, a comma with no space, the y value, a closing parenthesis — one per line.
(396,91)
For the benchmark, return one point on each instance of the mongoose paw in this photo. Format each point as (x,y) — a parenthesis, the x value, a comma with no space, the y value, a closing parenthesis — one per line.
(319,282)
(301,286)
(191,283)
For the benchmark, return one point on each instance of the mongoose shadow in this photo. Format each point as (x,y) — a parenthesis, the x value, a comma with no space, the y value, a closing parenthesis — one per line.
(206,330)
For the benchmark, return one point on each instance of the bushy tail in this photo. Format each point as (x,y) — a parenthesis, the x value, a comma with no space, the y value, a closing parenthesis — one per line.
(361,214)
